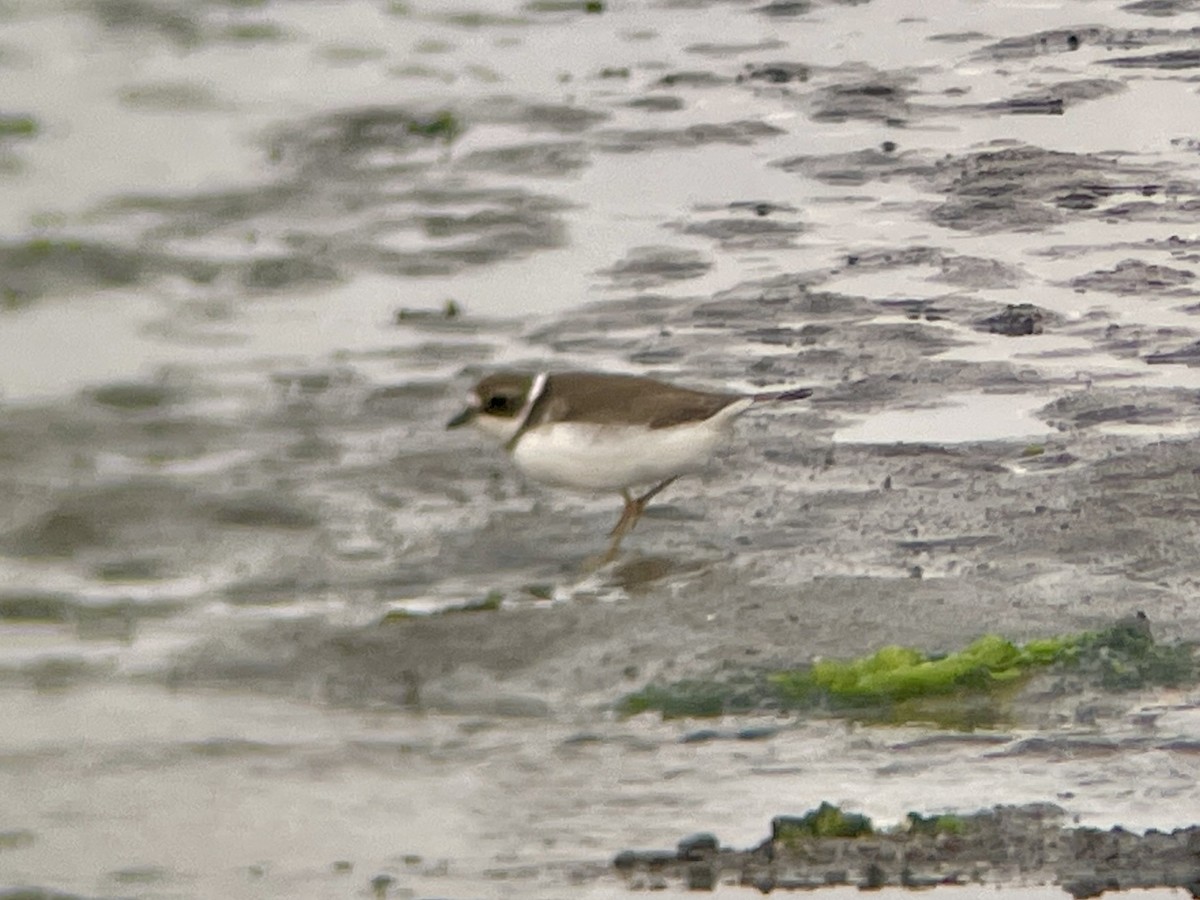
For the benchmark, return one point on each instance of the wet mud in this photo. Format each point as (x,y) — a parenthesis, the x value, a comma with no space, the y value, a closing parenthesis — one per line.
(239,549)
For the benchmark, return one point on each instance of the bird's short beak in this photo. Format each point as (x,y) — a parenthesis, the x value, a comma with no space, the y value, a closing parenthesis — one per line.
(463,417)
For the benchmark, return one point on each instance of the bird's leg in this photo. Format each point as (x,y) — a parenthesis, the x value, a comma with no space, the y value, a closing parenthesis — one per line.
(630,515)
(653,492)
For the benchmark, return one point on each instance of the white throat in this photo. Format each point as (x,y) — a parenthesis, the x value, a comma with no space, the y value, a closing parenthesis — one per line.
(503,429)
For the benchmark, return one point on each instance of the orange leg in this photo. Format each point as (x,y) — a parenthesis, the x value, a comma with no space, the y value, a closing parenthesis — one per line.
(630,515)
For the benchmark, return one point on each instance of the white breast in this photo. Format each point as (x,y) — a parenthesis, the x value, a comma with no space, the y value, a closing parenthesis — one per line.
(611,457)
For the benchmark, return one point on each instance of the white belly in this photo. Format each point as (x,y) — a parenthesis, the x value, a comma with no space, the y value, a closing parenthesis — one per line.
(610,458)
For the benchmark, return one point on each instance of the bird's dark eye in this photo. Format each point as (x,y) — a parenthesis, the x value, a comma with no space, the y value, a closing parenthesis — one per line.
(497,404)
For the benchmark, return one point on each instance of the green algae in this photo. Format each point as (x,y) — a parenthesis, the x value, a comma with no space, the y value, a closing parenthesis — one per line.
(826,821)
(491,602)
(1126,657)
(132,395)
(895,674)
(830,821)
(16,840)
(18,126)
(965,689)
(681,700)
(591,7)
(915,823)
(733,693)
(442,125)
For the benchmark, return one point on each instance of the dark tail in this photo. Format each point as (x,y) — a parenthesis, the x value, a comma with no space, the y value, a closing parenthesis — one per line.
(782,396)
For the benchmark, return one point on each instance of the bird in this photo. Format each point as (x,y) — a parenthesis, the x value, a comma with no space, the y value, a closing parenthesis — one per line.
(595,431)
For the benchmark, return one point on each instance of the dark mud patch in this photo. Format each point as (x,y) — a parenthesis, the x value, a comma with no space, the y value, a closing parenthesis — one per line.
(775,73)
(38,893)
(557,118)
(1161,8)
(1070,93)
(361,189)
(141,875)
(1029,188)
(692,79)
(545,160)
(743,132)
(978,272)
(1188,355)
(500,223)
(895,98)
(1170,60)
(368,139)
(785,9)
(657,103)
(748,232)
(1014,188)
(947,267)
(34,606)
(1070,40)
(648,267)
(858,167)
(185,26)
(882,97)
(1099,406)
(1007,844)
(172,97)
(133,396)
(172,23)
(30,269)
(1153,344)
(1179,248)
(820,336)
(1134,276)
(959,37)
(1017,320)
(260,510)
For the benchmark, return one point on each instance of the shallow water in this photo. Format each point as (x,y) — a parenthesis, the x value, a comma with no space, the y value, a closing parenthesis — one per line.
(229,238)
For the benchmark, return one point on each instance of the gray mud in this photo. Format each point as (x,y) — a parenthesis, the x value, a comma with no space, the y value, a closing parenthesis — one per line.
(254,598)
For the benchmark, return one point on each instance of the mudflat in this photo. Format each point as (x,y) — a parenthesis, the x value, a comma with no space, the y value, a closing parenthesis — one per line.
(268,630)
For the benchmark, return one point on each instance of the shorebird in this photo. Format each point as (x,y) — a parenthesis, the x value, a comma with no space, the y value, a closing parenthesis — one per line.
(598,432)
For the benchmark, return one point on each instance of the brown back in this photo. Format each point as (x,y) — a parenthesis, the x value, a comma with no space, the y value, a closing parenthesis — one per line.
(623,399)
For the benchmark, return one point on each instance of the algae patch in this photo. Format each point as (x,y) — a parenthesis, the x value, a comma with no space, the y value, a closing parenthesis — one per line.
(702,698)
(965,689)
(442,125)
(826,821)
(831,821)
(692,698)
(896,674)
(18,126)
